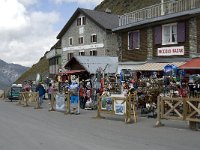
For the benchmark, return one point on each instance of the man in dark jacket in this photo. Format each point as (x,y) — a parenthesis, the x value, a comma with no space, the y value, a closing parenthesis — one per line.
(41,91)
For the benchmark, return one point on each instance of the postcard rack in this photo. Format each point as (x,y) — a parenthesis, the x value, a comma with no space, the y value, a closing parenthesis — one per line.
(123,106)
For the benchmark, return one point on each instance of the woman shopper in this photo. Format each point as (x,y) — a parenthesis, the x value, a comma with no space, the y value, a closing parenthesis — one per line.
(50,91)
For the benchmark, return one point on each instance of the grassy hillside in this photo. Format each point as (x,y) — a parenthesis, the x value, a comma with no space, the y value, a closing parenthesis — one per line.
(41,67)
(124,6)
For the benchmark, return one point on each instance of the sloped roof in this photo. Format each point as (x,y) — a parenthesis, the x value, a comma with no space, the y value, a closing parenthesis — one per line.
(57,45)
(92,63)
(192,64)
(102,19)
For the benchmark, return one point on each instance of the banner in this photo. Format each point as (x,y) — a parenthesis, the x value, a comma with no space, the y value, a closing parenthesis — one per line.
(106,103)
(120,107)
(60,102)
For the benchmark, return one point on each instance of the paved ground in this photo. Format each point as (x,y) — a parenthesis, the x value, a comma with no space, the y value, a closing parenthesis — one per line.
(29,129)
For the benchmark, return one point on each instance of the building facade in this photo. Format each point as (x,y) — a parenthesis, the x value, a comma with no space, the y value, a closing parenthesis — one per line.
(164,33)
(54,57)
(88,33)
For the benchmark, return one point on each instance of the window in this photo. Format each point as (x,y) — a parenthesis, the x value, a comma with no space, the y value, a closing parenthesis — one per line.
(80,40)
(81,21)
(70,55)
(78,21)
(133,40)
(70,41)
(81,53)
(93,38)
(93,53)
(169,34)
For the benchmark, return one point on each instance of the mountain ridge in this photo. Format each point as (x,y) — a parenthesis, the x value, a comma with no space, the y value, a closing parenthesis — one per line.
(9,73)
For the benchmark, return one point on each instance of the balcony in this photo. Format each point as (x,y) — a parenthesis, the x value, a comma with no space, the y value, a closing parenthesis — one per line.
(53,53)
(158,10)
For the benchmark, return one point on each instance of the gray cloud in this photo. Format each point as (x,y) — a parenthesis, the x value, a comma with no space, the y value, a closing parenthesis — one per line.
(28,36)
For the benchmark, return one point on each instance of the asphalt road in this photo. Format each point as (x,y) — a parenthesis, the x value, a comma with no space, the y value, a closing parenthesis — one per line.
(24,128)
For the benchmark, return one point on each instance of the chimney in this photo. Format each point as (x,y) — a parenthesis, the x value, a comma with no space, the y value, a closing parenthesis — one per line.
(108,11)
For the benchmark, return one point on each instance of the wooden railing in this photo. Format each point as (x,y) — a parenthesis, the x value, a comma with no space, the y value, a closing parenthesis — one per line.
(29,98)
(185,109)
(158,10)
(124,106)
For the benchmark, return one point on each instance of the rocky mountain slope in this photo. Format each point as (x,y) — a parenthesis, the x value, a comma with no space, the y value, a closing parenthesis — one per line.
(125,6)
(9,73)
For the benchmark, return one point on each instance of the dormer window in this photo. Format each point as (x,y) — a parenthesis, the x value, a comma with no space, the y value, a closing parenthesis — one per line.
(93,38)
(70,41)
(81,21)
(80,40)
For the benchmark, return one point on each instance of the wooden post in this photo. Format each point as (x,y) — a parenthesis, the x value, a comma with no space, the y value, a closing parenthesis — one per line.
(99,108)
(133,107)
(68,111)
(128,110)
(184,109)
(26,97)
(37,102)
(158,123)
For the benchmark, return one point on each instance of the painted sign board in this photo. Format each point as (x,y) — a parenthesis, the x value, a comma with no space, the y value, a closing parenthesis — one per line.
(171,51)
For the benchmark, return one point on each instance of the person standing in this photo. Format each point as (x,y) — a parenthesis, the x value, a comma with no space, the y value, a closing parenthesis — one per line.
(50,91)
(41,91)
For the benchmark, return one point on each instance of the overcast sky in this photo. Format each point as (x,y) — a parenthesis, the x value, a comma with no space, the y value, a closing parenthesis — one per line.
(28,28)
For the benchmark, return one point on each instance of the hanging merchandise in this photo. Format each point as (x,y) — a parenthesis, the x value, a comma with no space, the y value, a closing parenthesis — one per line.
(121,76)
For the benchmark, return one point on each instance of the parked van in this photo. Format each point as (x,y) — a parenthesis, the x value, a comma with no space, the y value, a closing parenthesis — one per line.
(14,93)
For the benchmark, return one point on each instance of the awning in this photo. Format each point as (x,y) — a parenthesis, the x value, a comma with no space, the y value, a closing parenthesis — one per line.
(156,66)
(192,64)
(149,66)
(71,72)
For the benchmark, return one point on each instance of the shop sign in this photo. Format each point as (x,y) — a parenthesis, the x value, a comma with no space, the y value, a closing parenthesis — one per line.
(171,51)
(84,47)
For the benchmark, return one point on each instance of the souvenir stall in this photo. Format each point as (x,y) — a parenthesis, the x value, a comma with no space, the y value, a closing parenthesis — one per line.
(71,82)
(96,70)
(171,80)
(148,90)
(191,71)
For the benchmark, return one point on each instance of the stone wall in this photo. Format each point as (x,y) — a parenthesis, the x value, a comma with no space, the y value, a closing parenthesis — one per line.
(193,36)
(104,37)
(149,43)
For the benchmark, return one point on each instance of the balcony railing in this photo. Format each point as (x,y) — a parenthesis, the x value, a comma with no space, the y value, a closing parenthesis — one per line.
(158,10)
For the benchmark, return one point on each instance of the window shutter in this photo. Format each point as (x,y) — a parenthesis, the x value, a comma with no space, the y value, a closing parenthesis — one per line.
(135,40)
(181,32)
(158,35)
(84,20)
(130,36)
